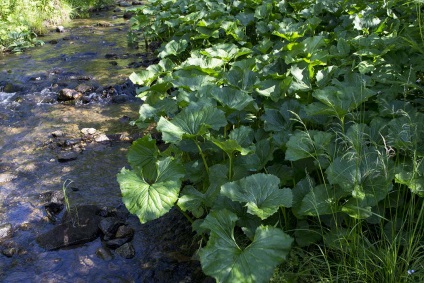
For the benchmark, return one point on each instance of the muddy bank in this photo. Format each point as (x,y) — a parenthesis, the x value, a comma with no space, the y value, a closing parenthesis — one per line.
(46,142)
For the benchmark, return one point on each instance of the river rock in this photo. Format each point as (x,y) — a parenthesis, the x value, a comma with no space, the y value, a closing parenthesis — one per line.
(67,156)
(54,203)
(67,94)
(6,231)
(124,232)
(116,243)
(57,134)
(83,88)
(126,251)
(124,4)
(104,253)
(109,226)
(101,138)
(88,131)
(7,177)
(128,15)
(78,227)
(111,56)
(60,29)
(9,252)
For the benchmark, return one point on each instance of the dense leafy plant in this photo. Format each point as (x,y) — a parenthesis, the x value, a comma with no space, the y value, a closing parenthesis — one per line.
(282,121)
(21,21)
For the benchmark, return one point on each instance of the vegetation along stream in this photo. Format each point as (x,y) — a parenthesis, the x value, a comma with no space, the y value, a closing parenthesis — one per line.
(65,109)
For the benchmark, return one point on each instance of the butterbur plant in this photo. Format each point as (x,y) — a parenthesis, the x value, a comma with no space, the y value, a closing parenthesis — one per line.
(283,123)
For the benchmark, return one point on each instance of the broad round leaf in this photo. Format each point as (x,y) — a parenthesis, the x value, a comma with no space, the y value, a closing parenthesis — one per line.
(151,200)
(260,192)
(223,259)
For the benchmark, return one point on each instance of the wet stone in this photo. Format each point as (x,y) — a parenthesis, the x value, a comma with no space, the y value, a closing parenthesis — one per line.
(6,231)
(67,156)
(67,94)
(101,138)
(88,131)
(7,177)
(9,252)
(57,134)
(116,243)
(109,226)
(126,251)
(104,253)
(111,56)
(124,4)
(78,227)
(83,88)
(60,29)
(124,232)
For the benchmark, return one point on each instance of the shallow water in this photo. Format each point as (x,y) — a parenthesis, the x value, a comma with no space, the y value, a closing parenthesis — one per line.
(29,164)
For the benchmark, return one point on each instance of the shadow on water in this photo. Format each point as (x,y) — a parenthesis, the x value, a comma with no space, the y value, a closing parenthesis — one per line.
(30,167)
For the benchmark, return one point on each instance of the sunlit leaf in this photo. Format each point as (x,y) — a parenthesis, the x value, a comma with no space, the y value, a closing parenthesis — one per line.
(150,199)
(260,192)
(224,260)
(191,121)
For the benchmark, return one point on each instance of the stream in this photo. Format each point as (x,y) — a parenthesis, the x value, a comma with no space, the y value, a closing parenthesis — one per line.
(48,144)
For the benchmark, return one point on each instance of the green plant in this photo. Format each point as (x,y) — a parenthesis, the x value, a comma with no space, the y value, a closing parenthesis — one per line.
(284,120)
(73,212)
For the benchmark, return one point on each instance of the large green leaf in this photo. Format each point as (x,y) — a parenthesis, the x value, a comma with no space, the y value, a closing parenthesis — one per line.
(304,144)
(150,199)
(192,200)
(224,260)
(366,176)
(260,192)
(339,100)
(143,152)
(191,121)
(174,48)
(225,51)
(232,97)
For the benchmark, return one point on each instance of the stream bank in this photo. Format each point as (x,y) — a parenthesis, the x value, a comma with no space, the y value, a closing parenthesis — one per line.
(46,143)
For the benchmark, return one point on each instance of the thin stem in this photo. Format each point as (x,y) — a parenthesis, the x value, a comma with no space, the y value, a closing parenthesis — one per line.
(202,155)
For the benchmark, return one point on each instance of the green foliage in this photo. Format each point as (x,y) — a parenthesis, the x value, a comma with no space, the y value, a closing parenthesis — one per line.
(21,21)
(297,116)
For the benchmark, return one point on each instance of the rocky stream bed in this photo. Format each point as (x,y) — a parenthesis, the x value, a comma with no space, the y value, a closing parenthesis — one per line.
(65,110)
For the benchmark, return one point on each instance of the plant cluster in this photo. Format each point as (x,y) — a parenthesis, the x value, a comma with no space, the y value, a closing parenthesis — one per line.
(285,123)
(21,20)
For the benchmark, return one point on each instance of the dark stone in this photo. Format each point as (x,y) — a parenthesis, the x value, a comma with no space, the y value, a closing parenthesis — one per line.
(124,4)
(104,253)
(135,3)
(124,232)
(116,243)
(9,252)
(53,41)
(78,227)
(119,99)
(128,15)
(57,133)
(6,231)
(71,142)
(116,10)
(109,226)
(113,63)
(126,251)
(111,56)
(83,88)
(67,156)
(67,94)
(135,65)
